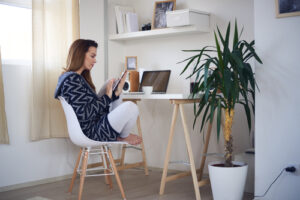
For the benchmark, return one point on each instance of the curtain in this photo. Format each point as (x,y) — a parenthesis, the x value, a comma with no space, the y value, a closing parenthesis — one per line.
(55,25)
(3,124)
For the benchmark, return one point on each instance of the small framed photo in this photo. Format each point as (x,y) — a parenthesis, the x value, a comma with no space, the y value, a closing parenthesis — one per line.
(159,15)
(131,63)
(287,8)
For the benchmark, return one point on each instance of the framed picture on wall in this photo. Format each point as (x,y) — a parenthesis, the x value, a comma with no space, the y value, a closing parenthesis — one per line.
(287,8)
(159,15)
(131,63)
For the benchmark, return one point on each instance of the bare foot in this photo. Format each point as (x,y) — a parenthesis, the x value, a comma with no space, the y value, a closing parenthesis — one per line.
(131,139)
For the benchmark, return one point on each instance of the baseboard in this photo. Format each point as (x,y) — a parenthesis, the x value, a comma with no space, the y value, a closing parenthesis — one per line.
(34,183)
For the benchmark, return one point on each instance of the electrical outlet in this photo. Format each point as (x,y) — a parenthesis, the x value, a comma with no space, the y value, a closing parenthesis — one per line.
(297,167)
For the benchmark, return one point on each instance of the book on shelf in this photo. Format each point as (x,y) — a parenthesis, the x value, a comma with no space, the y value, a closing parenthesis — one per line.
(132,22)
(120,12)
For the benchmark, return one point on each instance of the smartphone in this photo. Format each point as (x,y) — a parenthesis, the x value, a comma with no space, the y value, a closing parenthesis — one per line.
(118,81)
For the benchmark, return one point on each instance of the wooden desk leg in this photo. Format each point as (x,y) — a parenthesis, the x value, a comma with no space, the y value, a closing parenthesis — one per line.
(166,164)
(205,151)
(190,153)
(138,122)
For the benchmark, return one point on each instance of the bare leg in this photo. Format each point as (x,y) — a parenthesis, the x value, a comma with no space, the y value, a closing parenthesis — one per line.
(122,119)
(131,139)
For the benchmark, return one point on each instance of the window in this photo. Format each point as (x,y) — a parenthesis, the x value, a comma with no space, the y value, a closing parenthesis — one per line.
(15,35)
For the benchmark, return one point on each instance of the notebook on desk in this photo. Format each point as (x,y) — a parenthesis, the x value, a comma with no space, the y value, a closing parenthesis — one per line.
(158,79)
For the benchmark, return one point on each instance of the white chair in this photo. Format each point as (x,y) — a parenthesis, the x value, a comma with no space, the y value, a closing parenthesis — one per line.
(103,149)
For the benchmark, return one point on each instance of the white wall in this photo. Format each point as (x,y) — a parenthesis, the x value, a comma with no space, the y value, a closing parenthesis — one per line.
(22,160)
(277,103)
(164,53)
(92,27)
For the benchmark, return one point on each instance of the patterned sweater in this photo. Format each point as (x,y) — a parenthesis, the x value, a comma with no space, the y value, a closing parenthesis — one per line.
(90,109)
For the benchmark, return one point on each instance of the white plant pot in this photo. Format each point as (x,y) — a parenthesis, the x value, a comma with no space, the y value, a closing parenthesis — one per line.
(228,183)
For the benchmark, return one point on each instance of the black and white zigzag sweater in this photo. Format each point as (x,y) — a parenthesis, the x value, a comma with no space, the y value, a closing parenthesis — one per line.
(90,109)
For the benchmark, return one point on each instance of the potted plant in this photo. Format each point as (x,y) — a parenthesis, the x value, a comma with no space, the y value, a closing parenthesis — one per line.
(225,77)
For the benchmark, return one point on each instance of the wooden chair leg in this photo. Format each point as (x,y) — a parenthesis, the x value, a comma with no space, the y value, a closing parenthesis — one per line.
(123,155)
(108,180)
(83,173)
(75,171)
(116,173)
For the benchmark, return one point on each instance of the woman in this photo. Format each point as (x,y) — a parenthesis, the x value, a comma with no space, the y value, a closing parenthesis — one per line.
(93,112)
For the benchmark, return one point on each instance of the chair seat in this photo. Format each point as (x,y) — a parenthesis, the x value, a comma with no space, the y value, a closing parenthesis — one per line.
(88,143)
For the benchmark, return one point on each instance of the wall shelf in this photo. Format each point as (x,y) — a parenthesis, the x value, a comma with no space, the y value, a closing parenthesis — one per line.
(159,33)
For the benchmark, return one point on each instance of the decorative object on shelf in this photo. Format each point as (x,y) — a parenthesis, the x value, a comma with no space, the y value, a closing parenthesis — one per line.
(146,27)
(159,14)
(132,22)
(131,63)
(287,8)
(121,12)
(230,82)
(186,17)
(134,81)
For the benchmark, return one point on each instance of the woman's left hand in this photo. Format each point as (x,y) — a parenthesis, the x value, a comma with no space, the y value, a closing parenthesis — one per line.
(109,88)
(121,85)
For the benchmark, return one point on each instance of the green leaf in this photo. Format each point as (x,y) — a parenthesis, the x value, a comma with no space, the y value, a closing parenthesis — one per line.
(251,49)
(221,64)
(188,64)
(235,37)
(247,111)
(227,82)
(204,116)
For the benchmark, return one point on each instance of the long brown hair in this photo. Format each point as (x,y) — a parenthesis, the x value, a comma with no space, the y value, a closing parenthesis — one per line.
(76,58)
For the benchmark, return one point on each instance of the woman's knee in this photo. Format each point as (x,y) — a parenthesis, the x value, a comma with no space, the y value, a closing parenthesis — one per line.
(132,108)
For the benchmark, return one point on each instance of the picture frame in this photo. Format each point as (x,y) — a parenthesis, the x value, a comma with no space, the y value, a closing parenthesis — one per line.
(159,15)
(131,63)
(287,8)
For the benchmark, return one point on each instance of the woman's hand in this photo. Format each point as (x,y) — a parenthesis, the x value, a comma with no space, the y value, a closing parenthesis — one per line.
(121,85)
(109,88)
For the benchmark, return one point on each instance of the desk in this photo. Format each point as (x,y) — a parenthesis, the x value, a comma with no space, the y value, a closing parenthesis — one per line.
(178,105)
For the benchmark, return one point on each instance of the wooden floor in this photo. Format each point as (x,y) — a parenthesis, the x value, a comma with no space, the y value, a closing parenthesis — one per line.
(137,186)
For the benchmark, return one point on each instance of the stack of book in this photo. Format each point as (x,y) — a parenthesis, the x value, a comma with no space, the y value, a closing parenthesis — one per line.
(127,19)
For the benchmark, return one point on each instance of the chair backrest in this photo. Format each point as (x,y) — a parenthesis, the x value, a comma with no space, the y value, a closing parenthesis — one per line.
(74,129)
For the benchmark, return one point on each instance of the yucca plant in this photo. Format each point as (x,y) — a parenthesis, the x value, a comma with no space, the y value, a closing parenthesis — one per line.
(225,78)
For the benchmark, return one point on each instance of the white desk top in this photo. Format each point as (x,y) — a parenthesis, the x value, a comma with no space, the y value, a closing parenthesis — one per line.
(152,96)
(156,96)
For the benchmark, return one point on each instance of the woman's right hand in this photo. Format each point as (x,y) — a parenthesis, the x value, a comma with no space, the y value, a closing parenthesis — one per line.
(109,88)
(121,84)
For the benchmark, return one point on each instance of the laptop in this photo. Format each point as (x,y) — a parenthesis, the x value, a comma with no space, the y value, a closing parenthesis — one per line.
(158,79)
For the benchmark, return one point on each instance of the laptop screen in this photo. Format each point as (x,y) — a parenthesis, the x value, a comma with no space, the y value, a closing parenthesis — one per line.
(158,79)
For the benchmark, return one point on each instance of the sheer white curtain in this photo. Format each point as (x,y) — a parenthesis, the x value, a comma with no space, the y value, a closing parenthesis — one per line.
(55,25)
(3,124)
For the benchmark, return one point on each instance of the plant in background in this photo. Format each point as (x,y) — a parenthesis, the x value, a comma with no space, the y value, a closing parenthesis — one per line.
(225,78)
